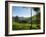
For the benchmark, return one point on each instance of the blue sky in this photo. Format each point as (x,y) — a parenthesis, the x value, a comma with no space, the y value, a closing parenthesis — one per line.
(22,11)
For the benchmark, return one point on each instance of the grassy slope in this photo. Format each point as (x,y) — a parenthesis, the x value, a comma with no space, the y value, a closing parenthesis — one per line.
(21,26)
(25,26)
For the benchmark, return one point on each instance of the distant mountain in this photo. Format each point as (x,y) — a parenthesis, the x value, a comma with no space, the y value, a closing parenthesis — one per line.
(21,18)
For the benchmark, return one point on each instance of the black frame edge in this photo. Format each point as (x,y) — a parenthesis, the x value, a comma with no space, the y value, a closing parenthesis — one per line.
(6,18)
(26,2)
(44,18)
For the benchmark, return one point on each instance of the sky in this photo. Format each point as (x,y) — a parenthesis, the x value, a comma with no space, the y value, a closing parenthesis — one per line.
(22,11)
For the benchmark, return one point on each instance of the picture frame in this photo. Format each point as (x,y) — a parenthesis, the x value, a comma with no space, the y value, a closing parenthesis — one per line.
(10,6)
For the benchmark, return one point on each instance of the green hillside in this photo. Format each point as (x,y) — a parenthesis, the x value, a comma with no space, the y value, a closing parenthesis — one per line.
(26,23)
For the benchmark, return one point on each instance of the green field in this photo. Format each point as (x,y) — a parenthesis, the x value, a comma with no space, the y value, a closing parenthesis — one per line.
(24,26)
(25,23)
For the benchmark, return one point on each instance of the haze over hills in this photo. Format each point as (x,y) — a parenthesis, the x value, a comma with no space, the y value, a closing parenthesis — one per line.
(29,19)
(21,18)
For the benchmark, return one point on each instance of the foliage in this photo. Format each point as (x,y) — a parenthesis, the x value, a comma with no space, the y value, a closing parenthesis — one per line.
(36,9)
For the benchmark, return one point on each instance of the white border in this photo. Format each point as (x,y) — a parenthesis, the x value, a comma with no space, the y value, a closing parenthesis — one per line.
(24,31)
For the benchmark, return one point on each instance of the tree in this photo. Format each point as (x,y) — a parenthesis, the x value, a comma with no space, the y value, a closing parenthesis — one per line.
(37,10)
(17,18)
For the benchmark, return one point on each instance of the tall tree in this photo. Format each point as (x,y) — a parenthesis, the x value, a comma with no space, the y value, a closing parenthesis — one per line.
(37,10)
